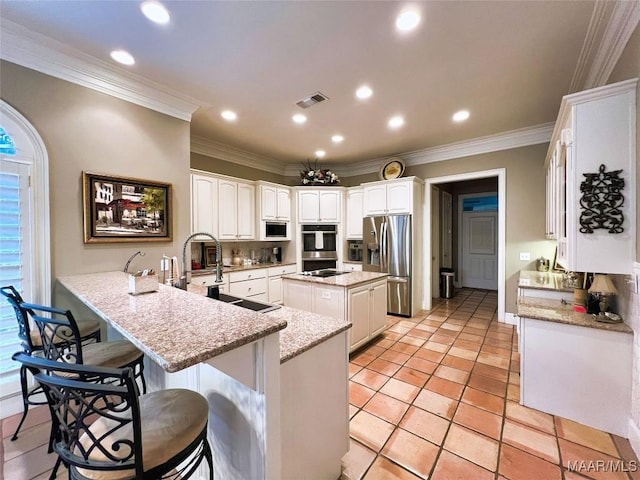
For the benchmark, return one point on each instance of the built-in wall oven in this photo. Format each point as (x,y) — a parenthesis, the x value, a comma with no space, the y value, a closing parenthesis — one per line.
(319,247)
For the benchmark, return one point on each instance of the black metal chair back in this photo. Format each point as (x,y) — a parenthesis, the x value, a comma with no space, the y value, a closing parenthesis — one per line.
(96,412)
(15,300)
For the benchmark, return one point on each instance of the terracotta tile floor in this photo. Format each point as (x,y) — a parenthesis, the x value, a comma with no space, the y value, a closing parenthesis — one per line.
(435,396)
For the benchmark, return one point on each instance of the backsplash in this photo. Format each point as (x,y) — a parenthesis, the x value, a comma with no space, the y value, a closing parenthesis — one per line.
(248,250)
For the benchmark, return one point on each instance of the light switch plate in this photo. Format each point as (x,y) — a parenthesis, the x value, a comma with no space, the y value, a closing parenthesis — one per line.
(525,256)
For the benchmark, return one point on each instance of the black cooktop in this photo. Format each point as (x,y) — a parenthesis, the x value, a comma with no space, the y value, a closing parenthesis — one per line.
(323,273)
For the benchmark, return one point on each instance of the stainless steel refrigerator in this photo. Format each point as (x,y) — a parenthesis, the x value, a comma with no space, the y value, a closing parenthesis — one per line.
(387,249)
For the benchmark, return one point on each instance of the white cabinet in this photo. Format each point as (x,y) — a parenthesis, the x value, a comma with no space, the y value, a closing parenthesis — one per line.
(249,283)
(319,206)
(274,276)
(204,204)
(206,280)
(275,202)
(389,197)
(367,311)
(594,128)
(355,212)
(236,204)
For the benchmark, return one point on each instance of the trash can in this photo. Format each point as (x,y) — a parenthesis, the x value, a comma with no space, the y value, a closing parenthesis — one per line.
(446,282)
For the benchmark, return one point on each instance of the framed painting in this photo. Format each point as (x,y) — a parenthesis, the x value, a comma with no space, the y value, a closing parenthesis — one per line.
(209,257)
(122,209)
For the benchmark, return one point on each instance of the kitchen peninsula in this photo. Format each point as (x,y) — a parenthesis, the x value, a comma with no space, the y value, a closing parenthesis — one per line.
(260,373)
(359,298)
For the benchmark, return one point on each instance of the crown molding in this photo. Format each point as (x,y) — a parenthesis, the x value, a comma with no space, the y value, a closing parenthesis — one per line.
(221,151)
(623,21)
(43,54)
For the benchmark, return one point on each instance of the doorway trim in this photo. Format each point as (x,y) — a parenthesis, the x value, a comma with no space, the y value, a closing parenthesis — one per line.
(501,173)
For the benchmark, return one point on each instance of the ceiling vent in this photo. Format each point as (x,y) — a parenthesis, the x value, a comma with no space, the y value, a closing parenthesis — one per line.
(312,100)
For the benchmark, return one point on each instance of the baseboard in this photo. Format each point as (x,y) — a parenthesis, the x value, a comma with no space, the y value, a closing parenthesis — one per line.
(11,405)
(634,436)
(512,319)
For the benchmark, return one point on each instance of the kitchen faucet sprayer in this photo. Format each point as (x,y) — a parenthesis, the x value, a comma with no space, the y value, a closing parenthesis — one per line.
(182,283)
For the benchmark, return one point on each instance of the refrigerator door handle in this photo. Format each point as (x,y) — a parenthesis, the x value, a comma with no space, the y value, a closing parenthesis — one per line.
(383,246)
(398,279)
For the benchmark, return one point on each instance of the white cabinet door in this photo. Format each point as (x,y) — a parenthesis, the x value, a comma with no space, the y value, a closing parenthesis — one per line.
(298,295)
(375,200)
(400,197)
(330,206)
(228,209)
(378,308)
(308,206)
(358,301)
(283,204)
(355,199)
(328,300)
(246,212)
(275,290)
(204,204)
(269,202)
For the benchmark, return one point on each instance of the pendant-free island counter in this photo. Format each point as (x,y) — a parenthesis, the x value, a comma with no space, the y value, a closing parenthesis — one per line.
(276,382)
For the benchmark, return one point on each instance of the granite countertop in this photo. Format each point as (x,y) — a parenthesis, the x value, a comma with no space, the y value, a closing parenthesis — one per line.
(304,330)
(239,268)
(175,328)
(346,280)
(542,281)
(555,311)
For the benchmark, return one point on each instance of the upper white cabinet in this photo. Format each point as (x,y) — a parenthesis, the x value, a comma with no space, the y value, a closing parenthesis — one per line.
(236,207)
(275,202)
(593,138)
(204,204)
(355,212)
(319,206)
(389,197)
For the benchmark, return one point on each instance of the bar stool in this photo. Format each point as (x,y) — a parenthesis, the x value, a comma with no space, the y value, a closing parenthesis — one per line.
(104,430)
(31,342)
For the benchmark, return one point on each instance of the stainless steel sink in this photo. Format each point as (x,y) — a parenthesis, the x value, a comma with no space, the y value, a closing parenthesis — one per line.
(246,303)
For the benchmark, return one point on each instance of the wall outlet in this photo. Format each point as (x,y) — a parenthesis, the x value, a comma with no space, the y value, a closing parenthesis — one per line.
(326,295)
(525,256)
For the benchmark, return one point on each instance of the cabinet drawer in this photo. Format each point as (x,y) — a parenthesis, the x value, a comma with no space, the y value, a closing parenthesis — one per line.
(247,275)
(282,270)
(248,288)
(207,279)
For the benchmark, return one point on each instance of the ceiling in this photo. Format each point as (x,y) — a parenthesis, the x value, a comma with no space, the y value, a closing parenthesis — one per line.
(508,62)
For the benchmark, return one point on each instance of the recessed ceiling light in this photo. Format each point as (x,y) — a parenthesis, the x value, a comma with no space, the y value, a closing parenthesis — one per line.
(123,57)
(396,122)
(364,92)
(229,115)
(461,116)
(155,11)
(299,118)
(320,153)
(407,20)
(337,139)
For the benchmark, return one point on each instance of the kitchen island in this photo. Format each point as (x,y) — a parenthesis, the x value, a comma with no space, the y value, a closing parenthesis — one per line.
(359,298)
(260,373)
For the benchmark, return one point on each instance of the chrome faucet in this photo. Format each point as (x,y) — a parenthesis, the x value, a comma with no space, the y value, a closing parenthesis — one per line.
(182,282)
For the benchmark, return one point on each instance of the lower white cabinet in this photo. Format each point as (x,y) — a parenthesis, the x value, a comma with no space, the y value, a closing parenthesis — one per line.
(274,275)
(206,280)
(250,284)
(364,305)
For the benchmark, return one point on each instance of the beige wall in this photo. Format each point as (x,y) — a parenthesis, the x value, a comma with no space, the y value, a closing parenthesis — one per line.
(86,130)
(215,165)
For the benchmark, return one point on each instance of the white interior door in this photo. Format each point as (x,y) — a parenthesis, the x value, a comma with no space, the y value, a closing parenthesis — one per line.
(446,245)
(435,240)
(480,250)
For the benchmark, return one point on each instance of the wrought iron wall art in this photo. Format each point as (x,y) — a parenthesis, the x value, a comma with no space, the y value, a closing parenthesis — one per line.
(602,201)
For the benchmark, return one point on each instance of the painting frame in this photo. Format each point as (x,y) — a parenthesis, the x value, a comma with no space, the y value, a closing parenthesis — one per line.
(209,257)
(116,209)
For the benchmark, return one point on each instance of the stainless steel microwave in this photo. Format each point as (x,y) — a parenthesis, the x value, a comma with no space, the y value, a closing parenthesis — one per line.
(276,230)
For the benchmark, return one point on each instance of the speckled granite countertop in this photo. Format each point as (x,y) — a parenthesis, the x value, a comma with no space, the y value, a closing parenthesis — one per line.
(304,330)
(555,311)
(346,280)
(240,268)
(542,281)
(176,329)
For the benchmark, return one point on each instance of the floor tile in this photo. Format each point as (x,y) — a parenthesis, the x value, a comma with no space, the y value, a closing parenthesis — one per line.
(362,358)
(436,347)
(28,439)
(457,362)
(411,452)
(487,384)
(494,360)
(445,387)
(430,355)
(436,403)
(386,407)
(395,356)
(531,441)
(400,390)
(530,417)
(453,374)
(35,416)
(479,420)
(452,467)
(29,465)
(472,446)
(383,469)
(405,348)
(356,462)
(589,437)
(370,378)
(414,377)
(518,465)
(414,341)
(423,365)
(370,430)
(353,369)
(352,411)
(585,458)
(491,372)
(462,353)
(425,424)
(359,394)
(484,400)
(384,367)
